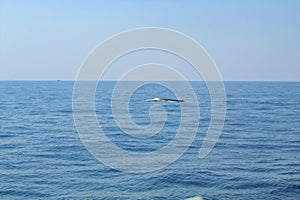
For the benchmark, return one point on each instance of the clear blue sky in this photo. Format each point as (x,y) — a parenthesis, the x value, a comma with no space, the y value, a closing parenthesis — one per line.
(248,40)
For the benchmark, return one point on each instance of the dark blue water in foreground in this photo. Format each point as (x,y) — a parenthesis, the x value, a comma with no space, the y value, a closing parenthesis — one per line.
(256,157)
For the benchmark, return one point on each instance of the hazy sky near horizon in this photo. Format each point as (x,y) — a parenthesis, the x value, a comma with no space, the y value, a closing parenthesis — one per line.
(248,40)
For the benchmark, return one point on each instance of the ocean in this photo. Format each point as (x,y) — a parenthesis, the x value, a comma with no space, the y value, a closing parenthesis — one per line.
(256,157)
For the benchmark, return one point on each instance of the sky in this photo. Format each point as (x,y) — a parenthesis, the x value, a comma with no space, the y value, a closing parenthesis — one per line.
(249,40)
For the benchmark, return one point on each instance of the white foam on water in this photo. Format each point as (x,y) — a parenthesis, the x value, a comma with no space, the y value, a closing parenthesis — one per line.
(195,198)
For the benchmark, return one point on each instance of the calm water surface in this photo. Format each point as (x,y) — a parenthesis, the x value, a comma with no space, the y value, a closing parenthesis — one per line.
(256,157)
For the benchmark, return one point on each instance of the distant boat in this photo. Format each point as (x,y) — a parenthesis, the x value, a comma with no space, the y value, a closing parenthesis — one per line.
(164,100)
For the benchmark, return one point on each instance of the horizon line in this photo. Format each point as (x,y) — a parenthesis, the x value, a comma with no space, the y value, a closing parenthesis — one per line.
(114,80)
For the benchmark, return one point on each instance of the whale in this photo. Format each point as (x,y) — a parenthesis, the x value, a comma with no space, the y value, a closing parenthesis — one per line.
(164,100)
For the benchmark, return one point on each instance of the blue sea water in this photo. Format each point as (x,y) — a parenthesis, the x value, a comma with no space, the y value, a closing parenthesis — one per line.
(256,157)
